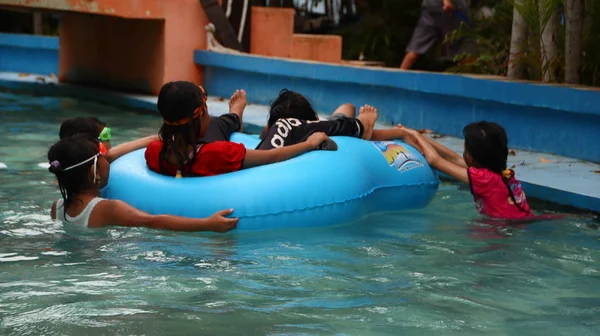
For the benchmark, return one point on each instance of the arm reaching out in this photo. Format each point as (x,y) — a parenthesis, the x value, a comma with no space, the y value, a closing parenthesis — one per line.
(442,150)
(439,162)
(122,214)
(396,133)
(128,147)
(255,158)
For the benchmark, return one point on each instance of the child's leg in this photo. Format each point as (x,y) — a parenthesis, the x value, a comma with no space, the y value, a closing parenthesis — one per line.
(221,128)
(347,110)
(237,104)
(367,116)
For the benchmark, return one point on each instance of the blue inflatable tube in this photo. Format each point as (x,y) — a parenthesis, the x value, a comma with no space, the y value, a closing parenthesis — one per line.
(320,188)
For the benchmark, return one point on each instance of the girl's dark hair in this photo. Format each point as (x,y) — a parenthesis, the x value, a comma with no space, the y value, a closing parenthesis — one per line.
(290,104)
(87,125)
(178,101)
(487,144)
(67,152)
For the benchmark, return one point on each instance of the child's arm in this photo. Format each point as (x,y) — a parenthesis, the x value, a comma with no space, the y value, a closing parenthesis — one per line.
(447,153)
(53,210)
(255,158)
(122,214)
(442,150)
(396,133)
(437,161)
(128,147)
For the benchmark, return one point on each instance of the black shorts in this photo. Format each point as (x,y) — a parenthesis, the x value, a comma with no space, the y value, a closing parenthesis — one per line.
(221,128)
(336,116)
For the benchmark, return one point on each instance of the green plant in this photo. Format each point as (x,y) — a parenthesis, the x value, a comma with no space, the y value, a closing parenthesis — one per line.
(382,30)
(490,40)
(486,41)
(590,62)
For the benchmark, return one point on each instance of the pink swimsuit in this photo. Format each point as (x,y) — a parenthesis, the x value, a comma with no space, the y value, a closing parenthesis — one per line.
(492,197)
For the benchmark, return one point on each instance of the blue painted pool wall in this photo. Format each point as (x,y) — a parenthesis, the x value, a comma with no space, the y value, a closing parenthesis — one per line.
(550,119)
(29,54)
(542,118)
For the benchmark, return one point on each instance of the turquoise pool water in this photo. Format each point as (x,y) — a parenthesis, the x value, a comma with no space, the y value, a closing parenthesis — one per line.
(434,271)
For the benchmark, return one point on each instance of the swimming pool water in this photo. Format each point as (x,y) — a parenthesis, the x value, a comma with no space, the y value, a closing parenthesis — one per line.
(434,271)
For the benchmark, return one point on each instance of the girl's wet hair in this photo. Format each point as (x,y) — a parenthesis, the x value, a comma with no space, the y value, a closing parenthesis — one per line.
(68,152)
(290,104)
(178,101)
(487,144)
(87,125)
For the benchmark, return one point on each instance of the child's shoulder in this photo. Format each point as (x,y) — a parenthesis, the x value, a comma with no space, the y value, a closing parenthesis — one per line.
(473,171)
(155,144)
(152,153)
(105,211)
(154,148)
(478,176)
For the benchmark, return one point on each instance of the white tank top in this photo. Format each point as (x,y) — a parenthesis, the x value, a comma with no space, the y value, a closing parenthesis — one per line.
(81,219)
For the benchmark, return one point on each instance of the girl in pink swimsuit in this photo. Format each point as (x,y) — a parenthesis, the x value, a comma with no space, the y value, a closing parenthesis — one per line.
(496,191)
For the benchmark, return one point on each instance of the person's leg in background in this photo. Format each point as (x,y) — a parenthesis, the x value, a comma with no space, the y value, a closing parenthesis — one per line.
(409,60)
(425,36)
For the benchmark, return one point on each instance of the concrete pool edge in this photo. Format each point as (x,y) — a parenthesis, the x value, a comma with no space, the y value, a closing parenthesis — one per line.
(550,178)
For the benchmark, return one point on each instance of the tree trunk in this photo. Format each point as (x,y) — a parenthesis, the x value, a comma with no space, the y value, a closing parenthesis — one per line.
(518,45)
(574,18)
(548,47)
(37,23)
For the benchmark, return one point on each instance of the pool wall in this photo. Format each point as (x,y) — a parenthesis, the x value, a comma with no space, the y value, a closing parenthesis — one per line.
(29,54)
(542,118)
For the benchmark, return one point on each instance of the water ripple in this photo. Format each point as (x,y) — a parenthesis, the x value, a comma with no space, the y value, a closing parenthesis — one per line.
(435,271)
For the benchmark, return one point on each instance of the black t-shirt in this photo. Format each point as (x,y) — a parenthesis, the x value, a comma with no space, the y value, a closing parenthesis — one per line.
(287,132)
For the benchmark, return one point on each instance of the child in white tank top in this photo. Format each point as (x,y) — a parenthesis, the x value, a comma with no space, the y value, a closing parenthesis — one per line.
(82,170)
(80,220)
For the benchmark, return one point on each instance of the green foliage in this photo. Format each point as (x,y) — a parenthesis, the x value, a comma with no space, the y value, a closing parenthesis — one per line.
(490,38)
(590,61)
(488,41)
(383,30)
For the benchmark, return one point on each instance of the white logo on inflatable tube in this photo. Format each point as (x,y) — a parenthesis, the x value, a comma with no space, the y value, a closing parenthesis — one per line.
(398,156)
(283,127)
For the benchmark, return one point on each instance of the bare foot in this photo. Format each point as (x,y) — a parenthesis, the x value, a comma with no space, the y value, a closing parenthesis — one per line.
(367,116)
(237,104)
